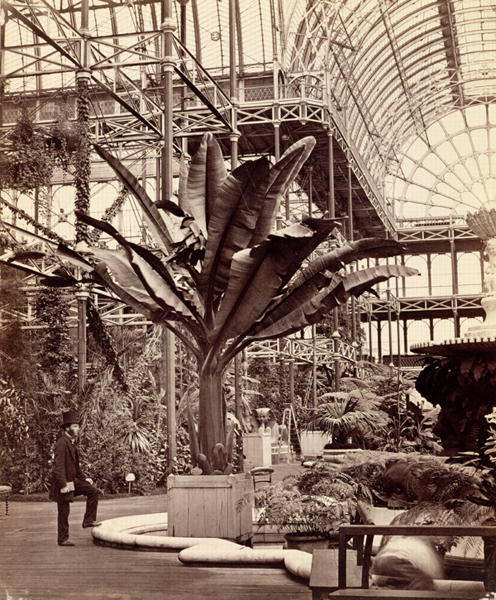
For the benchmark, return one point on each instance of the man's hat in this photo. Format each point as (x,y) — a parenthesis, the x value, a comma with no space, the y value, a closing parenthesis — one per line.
(69,417)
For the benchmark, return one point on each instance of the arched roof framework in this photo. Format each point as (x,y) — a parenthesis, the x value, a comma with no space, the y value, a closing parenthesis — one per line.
(396,69)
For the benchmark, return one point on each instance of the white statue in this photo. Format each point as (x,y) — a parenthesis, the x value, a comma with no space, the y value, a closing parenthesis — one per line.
(490,266)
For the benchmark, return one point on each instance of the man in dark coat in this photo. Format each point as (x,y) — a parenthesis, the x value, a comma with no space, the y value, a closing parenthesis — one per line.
(68,480)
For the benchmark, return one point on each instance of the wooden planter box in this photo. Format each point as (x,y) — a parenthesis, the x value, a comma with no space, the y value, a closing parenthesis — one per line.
(308,542)
(312,443)
(210,506)
(257,448)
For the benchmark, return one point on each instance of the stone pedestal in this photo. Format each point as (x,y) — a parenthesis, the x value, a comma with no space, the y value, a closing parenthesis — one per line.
(257,450)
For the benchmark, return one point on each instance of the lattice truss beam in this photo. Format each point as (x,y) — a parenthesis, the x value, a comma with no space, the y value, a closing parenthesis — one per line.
(112,312)
(321,351)
(414,308)
(123,69)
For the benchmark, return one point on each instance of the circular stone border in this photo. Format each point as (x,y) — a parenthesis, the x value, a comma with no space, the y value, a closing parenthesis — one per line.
(129,532)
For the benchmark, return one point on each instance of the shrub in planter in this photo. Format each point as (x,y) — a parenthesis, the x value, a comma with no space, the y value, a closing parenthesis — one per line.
(302,514)
(348,417)
(323,480)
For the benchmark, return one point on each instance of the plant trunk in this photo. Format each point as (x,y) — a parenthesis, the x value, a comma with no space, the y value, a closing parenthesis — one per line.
(212,417)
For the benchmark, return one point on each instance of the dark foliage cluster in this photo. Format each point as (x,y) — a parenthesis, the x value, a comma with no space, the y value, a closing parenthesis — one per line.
(33,152)
(52,310)
(29,162)
(464,389)
(103,338)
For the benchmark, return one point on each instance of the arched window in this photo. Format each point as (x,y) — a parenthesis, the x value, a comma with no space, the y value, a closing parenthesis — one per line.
(469,273)
(441,275)
(467,323)
(418,285)
(418,332)
(444,329)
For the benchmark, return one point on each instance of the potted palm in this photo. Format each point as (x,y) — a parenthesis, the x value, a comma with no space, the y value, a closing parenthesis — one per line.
(219,277)
(346,417)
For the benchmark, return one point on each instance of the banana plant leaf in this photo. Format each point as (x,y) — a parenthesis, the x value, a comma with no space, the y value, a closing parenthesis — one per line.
(72,257)
(257,275)
(182,227)
(288,318)
(357,282)
(193,199)
(231,226)
(127,295)
(216,170)
(153,310)
(150,211)
(337,258)
(124,276)
(170,207)
(310,311)
(280,178)
(199,188)
(285,304)
(182,188)
(152,276)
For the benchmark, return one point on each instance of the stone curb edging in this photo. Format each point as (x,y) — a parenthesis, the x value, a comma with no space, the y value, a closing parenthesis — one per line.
(129,532)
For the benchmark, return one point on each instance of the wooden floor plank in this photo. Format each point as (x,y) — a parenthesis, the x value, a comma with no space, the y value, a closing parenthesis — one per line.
(34,567)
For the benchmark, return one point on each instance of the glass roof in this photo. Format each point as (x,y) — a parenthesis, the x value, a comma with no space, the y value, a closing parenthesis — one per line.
(414,81)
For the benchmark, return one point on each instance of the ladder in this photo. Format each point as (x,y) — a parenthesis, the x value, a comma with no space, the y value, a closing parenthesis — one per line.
(289,421)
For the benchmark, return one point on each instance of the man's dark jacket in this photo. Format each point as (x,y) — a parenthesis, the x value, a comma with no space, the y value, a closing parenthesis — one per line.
(65,468)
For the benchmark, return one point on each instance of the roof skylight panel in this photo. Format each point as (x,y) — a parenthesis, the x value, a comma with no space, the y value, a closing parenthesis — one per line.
(214,34)
(256,25)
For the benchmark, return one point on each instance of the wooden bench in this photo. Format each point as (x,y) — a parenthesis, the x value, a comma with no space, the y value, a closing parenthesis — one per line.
(323,581)
(324,573)
(357,593)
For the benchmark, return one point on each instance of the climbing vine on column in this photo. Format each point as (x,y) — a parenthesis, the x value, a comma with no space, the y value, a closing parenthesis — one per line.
(52,311)
(82,162)
(104,340)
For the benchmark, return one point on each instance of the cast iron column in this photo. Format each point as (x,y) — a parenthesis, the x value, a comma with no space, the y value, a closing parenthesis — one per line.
(166,180)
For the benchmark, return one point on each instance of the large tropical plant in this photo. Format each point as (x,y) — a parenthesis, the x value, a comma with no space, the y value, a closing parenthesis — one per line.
(220,277)
(348,417)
